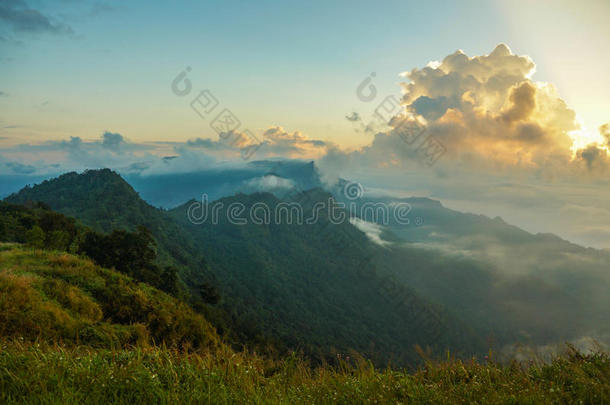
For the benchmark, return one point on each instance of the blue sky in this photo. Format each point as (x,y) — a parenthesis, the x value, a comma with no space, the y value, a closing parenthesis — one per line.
(293,64)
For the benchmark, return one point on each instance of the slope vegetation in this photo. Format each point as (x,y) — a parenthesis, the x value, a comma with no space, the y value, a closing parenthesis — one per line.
(57,297)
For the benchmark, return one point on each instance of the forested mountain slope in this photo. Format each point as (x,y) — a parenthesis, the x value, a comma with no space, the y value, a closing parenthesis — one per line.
(305,287)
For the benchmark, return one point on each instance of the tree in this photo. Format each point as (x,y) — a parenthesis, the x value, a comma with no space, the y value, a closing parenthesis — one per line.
(209,294)
(169,281)
(132,253)
(57,240)
(35,237)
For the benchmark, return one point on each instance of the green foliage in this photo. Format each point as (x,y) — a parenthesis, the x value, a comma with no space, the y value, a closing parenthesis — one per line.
(313,288)
(104,202)
(35,237)
(58,297)
(132,253)
(208,294)
(33,374)
(37,226)
(170,281)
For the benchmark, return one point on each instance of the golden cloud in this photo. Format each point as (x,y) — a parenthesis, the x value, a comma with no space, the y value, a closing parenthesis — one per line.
(488,113)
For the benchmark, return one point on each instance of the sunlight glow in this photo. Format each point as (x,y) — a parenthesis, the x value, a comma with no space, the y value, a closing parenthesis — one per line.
(583,137)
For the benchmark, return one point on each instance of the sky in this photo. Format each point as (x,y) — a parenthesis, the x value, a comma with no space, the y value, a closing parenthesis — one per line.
(108,65)
(515,92)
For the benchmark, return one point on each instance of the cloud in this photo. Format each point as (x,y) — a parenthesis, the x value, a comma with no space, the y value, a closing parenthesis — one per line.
(487,111)
(110,150)
(353,117)
(268,182)
(113,150)
(371,230)
(604,131)
(522,103)
(280,143)
(595,158)
(22,18)
(206,144)
(13,166)
(3,94)
(20,168)
(274,142)
(112,141)
(482,114)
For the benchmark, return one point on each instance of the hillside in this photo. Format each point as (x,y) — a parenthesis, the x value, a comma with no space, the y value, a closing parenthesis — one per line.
(103,201)
(283,287)
(316,287)
(512,285)
(72,332)
(56,297)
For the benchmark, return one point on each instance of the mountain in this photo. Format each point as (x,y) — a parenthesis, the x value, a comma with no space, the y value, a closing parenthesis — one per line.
(306,287)
(103,201)
(521,287)
(73,332)
(171,190)
(444,278)
(317,279)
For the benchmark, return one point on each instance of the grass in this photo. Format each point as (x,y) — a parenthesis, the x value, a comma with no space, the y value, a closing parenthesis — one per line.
(30,373)
(61,298)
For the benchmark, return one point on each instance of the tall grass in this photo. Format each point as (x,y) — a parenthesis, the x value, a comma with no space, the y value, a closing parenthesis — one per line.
(30,373)
(58,297)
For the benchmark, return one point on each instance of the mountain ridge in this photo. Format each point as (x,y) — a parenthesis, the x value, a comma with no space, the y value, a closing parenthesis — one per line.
(282,279)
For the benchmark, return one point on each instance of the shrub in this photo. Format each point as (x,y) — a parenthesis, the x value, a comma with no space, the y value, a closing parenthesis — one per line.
(35,237)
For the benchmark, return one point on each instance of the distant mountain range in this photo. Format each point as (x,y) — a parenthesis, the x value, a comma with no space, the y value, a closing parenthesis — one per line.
(531,288)
(444,280)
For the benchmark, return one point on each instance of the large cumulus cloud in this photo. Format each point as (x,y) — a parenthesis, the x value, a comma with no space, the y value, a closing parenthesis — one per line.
(489,115)
(486,109)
